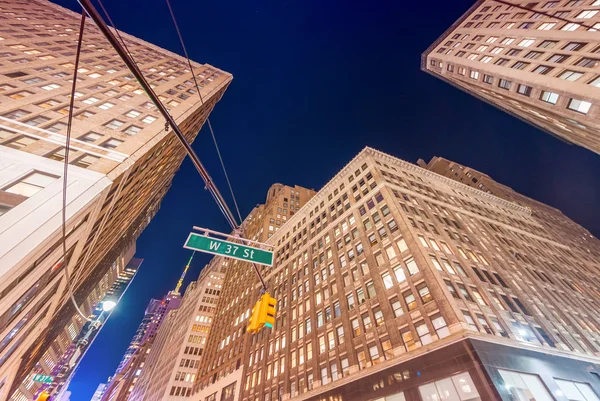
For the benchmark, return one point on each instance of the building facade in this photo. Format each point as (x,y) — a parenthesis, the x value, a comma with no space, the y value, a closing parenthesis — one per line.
(172,365)
(535,60)
(121,384)
(64,352)
(398,283)
(122,162)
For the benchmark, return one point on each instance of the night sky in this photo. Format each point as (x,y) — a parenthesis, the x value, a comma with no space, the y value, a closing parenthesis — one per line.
(315,81)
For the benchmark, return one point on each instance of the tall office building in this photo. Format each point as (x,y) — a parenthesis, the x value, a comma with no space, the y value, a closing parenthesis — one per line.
(173,361)
(122,161)
(537,60)
(121,384)
(97,396)
(397,283)
(60,359)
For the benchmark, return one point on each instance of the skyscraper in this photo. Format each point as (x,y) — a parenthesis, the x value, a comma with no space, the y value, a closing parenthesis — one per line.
(535,60)
(133,363)
(62,356)
(174,358)
(122,161)
(397,283)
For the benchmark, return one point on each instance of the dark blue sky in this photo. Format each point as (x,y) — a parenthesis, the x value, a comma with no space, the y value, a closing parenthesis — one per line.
(315,81)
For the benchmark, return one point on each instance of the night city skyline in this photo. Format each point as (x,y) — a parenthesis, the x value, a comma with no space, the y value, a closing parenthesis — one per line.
(314,84)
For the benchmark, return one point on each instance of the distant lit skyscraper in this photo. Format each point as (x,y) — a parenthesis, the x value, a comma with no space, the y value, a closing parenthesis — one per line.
(122,161)
(99,392)
(121,384)
(172,362)
(401,283)
(537,60)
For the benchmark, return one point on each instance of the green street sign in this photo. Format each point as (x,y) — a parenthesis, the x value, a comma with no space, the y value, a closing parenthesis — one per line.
(229,249)
(42,378)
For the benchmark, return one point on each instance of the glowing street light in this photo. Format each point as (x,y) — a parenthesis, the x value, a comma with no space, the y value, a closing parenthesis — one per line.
(108,305)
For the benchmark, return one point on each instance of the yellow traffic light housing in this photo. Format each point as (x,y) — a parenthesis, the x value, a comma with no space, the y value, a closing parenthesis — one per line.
(263,313)
(253,323)
(268,310)
(43,396)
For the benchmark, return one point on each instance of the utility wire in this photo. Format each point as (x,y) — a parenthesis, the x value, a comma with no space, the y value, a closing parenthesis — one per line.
(116,30)
(202,102)
(66,168)
(135,70)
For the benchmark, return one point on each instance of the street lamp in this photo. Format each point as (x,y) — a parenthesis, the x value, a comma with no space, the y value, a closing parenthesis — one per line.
(108,305)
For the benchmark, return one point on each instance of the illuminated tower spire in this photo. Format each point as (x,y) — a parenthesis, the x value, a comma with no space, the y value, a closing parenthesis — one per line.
(180,282)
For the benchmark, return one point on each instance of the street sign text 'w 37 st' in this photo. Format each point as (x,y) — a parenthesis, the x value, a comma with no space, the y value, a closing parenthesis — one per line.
(204,243)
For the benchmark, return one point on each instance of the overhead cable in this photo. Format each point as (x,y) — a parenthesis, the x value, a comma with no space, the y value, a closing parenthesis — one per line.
(66,169)
(202,102)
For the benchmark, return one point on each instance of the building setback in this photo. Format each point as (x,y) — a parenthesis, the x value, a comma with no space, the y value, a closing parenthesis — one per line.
(398,283)
(535,60)
(122,161)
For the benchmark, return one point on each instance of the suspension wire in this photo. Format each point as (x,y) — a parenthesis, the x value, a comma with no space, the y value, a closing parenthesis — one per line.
(546,13)
(202,102)
(116,30)
(135,70)
(66,168)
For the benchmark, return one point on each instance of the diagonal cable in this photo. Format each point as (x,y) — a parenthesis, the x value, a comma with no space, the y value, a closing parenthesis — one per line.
(66,168)
(202,102)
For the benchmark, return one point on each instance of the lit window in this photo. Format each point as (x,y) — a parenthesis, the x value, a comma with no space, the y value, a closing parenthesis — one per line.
(21,94)
(111,143)
(595,82)
(440,326)
(524,90)
(84,115)
(37,121)
(549,97)
(546,26)
(577,391)
(524,386)
(48,104)
(132,130)
(6,87)
(50,87)
(90,137)
(91,100)
(133,113)
(587,14)
(20,142)
(106,106)
(85,161)
(457,387)
(148,119)
(31,184)
(504,84)
(114,124)
(57,127)
(526,42)
(94,75)
(570,27)
(570,75)
(580,106)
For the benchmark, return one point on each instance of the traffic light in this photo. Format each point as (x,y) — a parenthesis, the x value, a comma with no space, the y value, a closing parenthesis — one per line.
(253,323)
(43,396)
(267,309)
(263,313)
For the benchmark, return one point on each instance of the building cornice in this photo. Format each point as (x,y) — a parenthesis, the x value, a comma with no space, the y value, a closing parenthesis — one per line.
(368,152)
